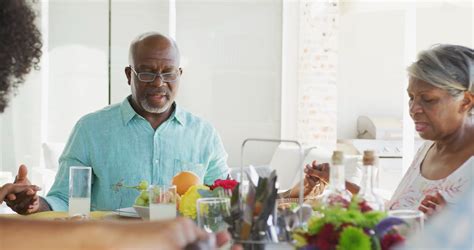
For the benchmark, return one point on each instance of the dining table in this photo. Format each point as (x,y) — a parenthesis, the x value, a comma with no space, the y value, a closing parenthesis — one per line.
(106,216)
(61,215)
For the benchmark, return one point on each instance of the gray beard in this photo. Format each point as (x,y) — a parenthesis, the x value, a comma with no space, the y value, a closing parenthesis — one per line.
(154,110)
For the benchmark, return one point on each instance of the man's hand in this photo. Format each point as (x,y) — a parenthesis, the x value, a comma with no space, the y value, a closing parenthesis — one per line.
(10,188)
(23,202)
(22,177)
(432,204)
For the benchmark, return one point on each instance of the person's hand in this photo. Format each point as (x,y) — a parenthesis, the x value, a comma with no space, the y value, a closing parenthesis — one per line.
(10,188)
(188,236)
(214,241)
(179,233)
(223,238)
(309,183)
(311,180)
(432,204)
(321,172)
(317,171)
(23,202)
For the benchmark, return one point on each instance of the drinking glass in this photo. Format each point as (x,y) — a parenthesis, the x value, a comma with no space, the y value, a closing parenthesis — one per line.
(80,191)
(162,202)
(211,213)
(413,219)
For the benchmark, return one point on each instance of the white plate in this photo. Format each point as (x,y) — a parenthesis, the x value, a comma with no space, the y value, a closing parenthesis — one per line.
(142,211)
(127,212)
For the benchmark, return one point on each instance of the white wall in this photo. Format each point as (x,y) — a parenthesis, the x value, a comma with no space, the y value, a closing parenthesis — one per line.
(78,64)
(20,127)
(445,23)
(370,67)
(372,45)
(130,19)
(231,57)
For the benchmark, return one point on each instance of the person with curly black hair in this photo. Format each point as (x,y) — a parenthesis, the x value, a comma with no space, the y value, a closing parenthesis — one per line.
(20,46)
(20,51)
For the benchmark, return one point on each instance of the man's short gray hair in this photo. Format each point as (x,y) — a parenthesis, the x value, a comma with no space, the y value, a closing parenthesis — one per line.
(446,66)
(143,36)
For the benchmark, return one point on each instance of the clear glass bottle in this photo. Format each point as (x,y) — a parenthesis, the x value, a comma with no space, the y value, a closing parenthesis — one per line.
(336,192)
(368,179)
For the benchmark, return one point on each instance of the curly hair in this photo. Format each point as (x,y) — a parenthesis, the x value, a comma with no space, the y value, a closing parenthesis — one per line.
(20,46)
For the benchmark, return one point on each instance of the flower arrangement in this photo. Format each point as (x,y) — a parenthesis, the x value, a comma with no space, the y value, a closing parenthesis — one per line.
(353,226)
(227,185)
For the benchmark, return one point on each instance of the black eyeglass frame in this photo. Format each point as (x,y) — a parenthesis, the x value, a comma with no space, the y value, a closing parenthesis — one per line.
(163,76)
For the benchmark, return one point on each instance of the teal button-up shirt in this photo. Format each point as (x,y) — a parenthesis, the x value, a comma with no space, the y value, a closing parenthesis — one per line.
(121,146)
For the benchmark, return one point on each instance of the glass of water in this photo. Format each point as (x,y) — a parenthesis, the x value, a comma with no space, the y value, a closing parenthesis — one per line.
(211,213)
(162,202)
(80,191)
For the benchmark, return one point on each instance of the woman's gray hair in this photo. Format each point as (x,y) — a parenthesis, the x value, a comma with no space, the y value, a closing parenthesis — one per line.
(449,67)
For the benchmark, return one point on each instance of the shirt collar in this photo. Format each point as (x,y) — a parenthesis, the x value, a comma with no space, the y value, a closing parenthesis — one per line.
(178,115)
(128,112)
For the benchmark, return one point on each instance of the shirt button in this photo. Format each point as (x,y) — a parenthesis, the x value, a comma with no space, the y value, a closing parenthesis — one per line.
(156,161)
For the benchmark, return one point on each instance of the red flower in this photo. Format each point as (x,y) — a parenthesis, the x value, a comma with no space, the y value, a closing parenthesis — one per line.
(327,238)
(225,184)
(390,240)
(364,207)
(336,199)
(311,239)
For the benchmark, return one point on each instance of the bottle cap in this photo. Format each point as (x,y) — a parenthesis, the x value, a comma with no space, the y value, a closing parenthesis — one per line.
(369,157)
(337,158)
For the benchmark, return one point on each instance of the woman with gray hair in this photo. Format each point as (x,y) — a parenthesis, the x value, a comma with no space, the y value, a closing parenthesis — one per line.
(441,105)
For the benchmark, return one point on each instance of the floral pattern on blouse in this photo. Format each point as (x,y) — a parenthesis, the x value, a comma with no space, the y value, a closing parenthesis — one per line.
(414,187)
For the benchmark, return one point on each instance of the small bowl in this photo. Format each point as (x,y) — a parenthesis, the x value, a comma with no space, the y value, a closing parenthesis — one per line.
(144,212)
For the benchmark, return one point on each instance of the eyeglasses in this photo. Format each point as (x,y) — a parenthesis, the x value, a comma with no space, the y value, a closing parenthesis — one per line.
(150,77)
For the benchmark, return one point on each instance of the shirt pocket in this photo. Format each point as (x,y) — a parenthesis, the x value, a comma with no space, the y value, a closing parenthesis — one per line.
(193,166)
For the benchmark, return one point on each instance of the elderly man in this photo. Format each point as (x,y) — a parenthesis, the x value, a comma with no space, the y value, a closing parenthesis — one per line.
(146,137)
(22,45)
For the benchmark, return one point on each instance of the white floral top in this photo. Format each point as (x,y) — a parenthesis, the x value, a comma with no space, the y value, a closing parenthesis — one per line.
(414,187)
